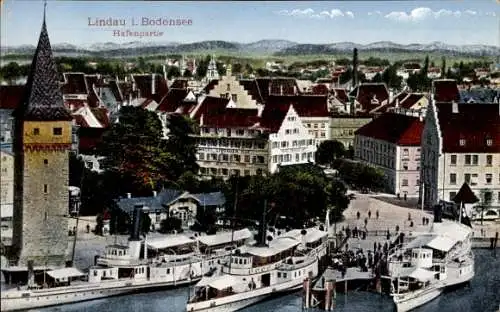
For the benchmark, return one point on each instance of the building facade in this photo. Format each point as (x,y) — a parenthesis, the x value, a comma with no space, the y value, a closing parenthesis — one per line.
(343,127)
(461,143)
(7,195)
(391,143)
(42,145)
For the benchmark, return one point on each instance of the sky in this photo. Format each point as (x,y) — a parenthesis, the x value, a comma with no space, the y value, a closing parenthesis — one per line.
(450,21)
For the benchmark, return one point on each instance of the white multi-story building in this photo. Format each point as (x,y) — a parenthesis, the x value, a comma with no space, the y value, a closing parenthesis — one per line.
(7,194)
(461,143)
(290,142)
(391,143)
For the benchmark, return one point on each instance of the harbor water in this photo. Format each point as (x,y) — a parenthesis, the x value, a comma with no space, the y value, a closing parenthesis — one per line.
(482,295)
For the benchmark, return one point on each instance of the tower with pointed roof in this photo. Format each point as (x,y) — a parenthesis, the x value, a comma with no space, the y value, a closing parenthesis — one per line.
(212,73)
(42,143)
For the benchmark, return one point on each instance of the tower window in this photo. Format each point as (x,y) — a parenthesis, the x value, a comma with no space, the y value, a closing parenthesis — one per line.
(57,131)
(36,131)
(45,161)
(45,188)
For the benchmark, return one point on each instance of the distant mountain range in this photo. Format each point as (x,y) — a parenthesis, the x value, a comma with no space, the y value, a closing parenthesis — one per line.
(263,47)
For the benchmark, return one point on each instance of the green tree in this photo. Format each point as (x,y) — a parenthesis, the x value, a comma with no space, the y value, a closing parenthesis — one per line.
(237,68)
(355,67)
(443,67)
(141,64)
(119,222)
(170,224)
(202,67)
(328,151)
(337,199)
(377,78)
(181,144)
(248,69)
(135,153)
(11,72)
(221,69)
(173,72)
(391,78)
(145,224)
(105,68)
(187,73)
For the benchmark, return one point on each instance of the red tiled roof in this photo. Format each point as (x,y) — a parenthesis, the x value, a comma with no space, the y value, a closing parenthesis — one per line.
(320,89)
(101,114)
(367,91)
(93,99)
(394,128)
(446,90)
(252,87)
(277,86)
(93,80)
(211,106)
(210,85)
(144,83)
(80,121)
(115,89)
(273,116)
(89,138)
(411,66)
(476,123)
(74,84)
(341,95)
(411,100)
(76,104)
(233,118)
(172,100)
(304,105)
(179,84)
(11,96)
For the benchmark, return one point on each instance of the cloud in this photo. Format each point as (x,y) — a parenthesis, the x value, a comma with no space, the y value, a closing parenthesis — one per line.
(375,13)
(420,14)
(310,13)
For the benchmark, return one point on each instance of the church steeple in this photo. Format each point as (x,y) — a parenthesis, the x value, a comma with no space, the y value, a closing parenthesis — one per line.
(43,99)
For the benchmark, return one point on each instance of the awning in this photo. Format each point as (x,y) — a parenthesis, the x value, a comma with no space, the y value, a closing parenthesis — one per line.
(225,237)
(65,273)
(219,282)
(163,242)
(420,274)
(442,243)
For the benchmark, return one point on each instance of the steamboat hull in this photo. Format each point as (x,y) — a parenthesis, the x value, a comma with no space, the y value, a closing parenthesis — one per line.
(16,300)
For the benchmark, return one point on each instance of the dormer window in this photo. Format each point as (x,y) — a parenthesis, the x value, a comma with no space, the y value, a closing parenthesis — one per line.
(462,142)
(489,142)
(228,87)
(36,131)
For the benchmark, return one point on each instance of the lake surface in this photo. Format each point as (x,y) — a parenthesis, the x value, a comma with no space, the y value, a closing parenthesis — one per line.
(483,295)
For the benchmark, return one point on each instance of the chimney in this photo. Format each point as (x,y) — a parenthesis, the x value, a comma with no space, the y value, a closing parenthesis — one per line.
(126,78)
(294,90)
(421,117)
(269,88)
(153,84)
(164,72)
(391,96)
(281,89)
(397,102)
(454,107)
(129,195)
(154,194)
(201,120)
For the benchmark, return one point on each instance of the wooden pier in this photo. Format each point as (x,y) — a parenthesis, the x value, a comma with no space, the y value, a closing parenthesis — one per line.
(323,293)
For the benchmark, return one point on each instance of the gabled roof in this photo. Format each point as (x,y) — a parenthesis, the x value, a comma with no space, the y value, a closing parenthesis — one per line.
(446,90)
(74,83)
(465,195)
(341,95)
(411,100)
(394,128)
(211,106)
(366,92)
(11,96)
(115,89)
(277,86)
(43,99)
(232,118)
(273,116)
(101,114)
(304,105)
(251,86)
(474,123)
(210,199)
(144,83)
(173,99)
(320,89)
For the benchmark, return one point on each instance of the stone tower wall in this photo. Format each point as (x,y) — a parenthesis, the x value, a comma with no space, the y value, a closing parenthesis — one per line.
(41,228)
